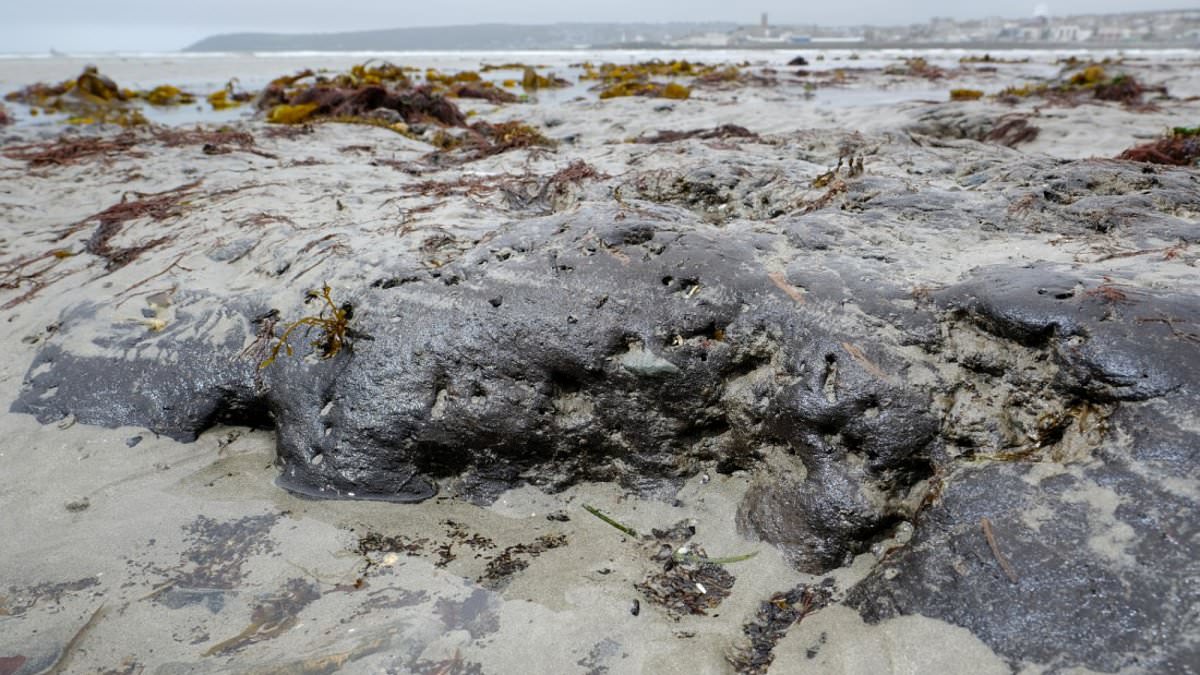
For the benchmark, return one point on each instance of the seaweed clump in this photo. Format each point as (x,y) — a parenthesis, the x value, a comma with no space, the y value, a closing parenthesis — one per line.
(331,324)
(1090,82)
(93,98)
(916,67)
(672,90)
(531,81)
(1181,147)
(688,585)
(381,95)
(88,99)
(772,621)
(229,96)
(4,118)
(635,79)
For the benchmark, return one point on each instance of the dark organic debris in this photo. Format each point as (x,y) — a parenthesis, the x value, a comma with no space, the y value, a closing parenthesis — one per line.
(274,616)
(1179,148)
(504,136)
(516,558)
(1011,131)
(215,559)
(722,132)
(21,600)
(771,623)
(693,586)
(916,67)
(88,99)
(68,149)
(157,206)
(373,547)
(365,103)
(1091,82)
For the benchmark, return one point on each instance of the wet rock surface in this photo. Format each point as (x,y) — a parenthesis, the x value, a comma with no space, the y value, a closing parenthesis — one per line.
(1086,556)
(1002,351)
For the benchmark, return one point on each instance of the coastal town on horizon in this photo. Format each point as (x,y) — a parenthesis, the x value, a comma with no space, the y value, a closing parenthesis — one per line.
(1168,28)
(1173,27)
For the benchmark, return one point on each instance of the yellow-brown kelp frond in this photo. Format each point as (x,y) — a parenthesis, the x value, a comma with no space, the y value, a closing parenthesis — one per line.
(531,80)
(672,90)
(88,99)
(331,325)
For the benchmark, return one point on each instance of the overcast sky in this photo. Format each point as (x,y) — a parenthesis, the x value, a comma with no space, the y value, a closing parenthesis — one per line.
(163,25)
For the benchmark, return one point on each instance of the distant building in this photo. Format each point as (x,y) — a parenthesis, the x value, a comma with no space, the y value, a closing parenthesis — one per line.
(1069,33)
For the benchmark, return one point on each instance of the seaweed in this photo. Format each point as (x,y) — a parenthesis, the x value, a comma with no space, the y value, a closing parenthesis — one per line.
(965,94)
(722,132)
(4,118)
(375,104)
(228,97)
(1092,81)
(19,601)
(214,141)
(620,526)
(291,114)
(70,149)
(988,58)
(1011,131)
(88,99)
(692,586)
(331,323)
(1181,147)
(485,91)
(916,67)
(437,77)
(671,90)
(18,272)
(532,81)
(167,95)
(272,617)
(610,72)
(771,622)
(157,206)
(511,135)
(635,79)
(501,568)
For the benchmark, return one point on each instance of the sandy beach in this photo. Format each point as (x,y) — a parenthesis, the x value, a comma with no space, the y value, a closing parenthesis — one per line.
(850,196)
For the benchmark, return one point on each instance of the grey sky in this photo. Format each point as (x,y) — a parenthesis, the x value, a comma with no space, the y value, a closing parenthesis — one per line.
(161,25)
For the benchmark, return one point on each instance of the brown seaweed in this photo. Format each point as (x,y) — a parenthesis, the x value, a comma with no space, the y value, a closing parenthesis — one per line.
(771,622)
(688,586)
(156,206)
(722,132)
(416,105)
(331,323)
(274,616)
(70,149)
(1179,148)
(1011,131)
